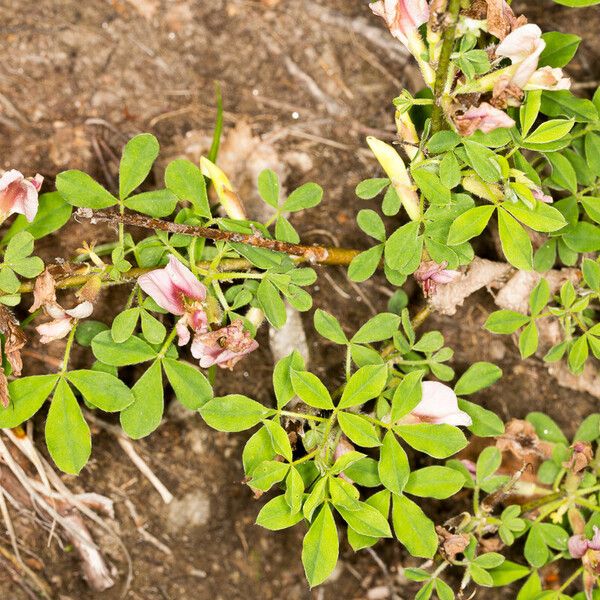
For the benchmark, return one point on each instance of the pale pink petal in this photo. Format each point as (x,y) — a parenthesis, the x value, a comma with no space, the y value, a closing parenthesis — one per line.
(525,70)
(81,311)
(10,177)
(183,333)
(31,203)
(578,546)
(548,78)
(55,311)
(403,17)
(160,287)
(185,280)
(521,43)
(445,276)
(538,194)
(440,405)
(54,330)
(37,182)
(594,544)
(484,117)
(199,321)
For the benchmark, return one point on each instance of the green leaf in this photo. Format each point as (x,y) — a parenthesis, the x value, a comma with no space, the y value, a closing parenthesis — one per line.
(28,267)
(541,217)
(20,246)
(139,154)
(320,547)
(536,551)
(268,187)
(431,186)
(364,472)
(381,502)
(483,160)
(443,141)
(560,49)
(124,325)
(478,376)
(488,463)
(52,214)
(485,422)
(366,520)
(257,450)
(539,297)
(276,515)
(505,321)
(546,428)
(370,222)
(130,352)
(311,390)
(363,265)
(588,431)
(369,188)
(403,248)
(285,232)
(282,383)
(439,441)
(271,303)
(279,439)
(583,237)
(528,340)
(413,528)
(9,282)
(233,413)
(79,189)
(67,434)
(531,589)
(550,131)
(577,3)
(393,464)
(564,104)
(407,395)
(143,416)
(102,390)
(27,394)
(508,572)
(591,206)
(294,490)
(329,327)
(516,244)
(186,181)
(153,330)
(379,328)
(306,196)
(450,170)
(434,482)
(470,224)
(563,173)
(529,111)
(190,386)
(267,474)
(358,430)
(157,203)
(367,383)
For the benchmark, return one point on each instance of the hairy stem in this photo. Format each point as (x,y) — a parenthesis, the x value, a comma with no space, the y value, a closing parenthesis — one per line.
(441,73)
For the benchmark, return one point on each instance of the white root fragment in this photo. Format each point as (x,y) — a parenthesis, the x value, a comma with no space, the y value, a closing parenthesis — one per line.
(481,273)
(49,498)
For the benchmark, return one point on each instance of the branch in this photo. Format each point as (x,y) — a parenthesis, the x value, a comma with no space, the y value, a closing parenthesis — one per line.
(441,73)
(312,254)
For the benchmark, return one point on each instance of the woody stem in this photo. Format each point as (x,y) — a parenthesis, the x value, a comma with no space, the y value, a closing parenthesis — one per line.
(441,72)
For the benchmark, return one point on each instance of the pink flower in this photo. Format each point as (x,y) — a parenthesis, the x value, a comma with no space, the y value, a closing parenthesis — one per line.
(439,405)
(62,320)
(484,117)
(403,17)
(176,289)
(579,545)
(224,347)
(523,47)
(19,194)
(548,78)
(430,274)
(538,194)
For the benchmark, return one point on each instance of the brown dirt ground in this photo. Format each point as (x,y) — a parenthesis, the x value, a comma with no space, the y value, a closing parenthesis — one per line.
(76,78)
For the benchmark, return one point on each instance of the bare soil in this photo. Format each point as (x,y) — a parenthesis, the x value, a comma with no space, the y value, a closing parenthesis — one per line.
(76,79)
